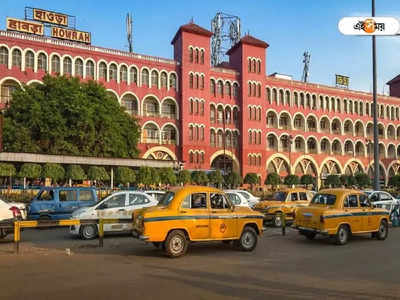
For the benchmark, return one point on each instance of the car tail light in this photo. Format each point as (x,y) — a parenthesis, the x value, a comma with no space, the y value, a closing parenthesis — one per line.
(321,219)
(16,212)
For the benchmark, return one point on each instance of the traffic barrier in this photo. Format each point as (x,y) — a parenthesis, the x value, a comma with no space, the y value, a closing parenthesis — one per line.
(283,218)
(18,225)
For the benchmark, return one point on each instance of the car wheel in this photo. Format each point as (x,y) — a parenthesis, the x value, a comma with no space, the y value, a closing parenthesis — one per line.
(88,232)
(248,239)
(342,235)
(310,235)
(383,231)
(277,220)
(176,244)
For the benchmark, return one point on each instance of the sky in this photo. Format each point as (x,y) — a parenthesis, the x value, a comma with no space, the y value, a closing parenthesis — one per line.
(289,26)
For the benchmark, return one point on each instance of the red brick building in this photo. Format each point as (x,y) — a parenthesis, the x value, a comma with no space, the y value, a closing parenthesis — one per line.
(233,116)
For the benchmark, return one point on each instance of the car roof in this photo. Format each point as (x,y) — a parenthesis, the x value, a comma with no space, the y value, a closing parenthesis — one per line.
(339,191)
(72,188)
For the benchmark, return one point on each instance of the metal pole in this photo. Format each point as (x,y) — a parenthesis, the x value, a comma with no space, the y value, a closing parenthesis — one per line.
(376,141)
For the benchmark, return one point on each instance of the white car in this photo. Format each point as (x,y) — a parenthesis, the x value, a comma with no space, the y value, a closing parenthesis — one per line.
(119,205)
(157,195)
(9,212)
(382,199)
(237,199)
(249,197)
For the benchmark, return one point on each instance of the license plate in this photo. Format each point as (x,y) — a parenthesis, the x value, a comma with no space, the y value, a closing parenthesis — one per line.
(307,215)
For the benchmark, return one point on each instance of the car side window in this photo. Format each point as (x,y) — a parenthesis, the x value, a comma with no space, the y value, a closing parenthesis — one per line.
(115,201)
(85,195)
(66,195)
(46,195)
(234,198)
(364,202)
(294,197)
(353,201)
(137,199)
(195,201)
(303,196)
(385,197)
(218,201)
(375,197)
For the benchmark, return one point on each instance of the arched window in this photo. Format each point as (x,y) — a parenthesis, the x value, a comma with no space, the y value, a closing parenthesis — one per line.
(191,132)
(212,114)
(249,65)
(123,74)
(197,56)
(29,60)
(163,80)
(259,67)
(42,62)
(55,64)
(79,67)
(67,66)
(212,87)
(202,108)
(268,94)
(172,81)
(17,58)
(220,88)
(197,83)
(168,109)
(202,62)
(3,56)
(202,82)
(154,79)
(191,55)
(227,88)
(113,72)
(212,137)
(250,88)
(133,74)
(90,69)
(191,80)
(259,90)
(191,157)
(130,103)
(145,77)
(103,70)
(250,137)
(254,66)
(235,90)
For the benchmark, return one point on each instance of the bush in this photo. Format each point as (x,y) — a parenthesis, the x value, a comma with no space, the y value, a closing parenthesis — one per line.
(333,181)
(54,171)
(394,181)
(215,178)
(167,176)
(273,179)
(30,170)
(233,180)
(124,175)
(251,178)
(98,173)
(291,180)
(363,180)
(184,177)
(75,172)
(307,179)
(144,176)
(199,177)
(7,170)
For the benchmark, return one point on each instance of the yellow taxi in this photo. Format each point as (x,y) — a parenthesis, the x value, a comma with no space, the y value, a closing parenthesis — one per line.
(339,213)
(283,201)
(194,214)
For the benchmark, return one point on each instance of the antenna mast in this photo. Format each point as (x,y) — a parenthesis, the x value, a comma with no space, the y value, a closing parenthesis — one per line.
(129,31)
(226,33)
(306,61)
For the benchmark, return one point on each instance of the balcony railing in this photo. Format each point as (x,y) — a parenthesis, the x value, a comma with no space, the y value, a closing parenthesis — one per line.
(151,140)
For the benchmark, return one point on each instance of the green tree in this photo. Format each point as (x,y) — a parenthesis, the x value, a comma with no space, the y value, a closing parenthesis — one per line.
(184,177)
(333,181)
(233,180)
(168,176)
(68,117)
(394,181)
(144,176)
(273,179)
(291,180)
(215,178)
(251,178)
(124,175)
(75,172)
(30,170)
(155,176)
(7,170)
(54,171)
(199,177)
(98,174)
(307,179)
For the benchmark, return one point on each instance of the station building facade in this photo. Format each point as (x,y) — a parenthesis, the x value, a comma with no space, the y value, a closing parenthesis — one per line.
(232,116)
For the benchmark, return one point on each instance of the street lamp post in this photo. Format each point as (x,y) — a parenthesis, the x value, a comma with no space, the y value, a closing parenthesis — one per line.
(374,109)
(290,140)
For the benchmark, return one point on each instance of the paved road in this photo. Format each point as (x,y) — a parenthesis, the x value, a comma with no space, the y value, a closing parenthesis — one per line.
(287,267)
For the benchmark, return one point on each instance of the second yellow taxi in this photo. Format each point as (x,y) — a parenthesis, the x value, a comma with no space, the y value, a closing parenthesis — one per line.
(340,213)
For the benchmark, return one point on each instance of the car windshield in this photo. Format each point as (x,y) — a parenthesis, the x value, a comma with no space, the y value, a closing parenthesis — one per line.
(166,200)
(244,194)
(279,196)
(324,199)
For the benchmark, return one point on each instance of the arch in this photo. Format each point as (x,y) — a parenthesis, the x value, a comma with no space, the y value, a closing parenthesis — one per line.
(312,123)
(349,147)
(158,152)
(170,108)
(348,127)
(66,66)
(312,145)
(360,149)
(236,164)
(150,132)
(150,105)
(33,81)
(331,163)
(131,103)
(391,151)
(272,119)
(325,124)
(278,163)
(359,129)
(336,126)
(306,164)
(7,87)
(285,120)
(382,151)
(299,121)
(391,132)
(272,142)
(170,137)
(55,63)
(353,166)
(337,147)
(325,146)
(90,70)
(299,143)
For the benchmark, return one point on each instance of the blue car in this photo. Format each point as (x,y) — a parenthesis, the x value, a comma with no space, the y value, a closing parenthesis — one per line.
(55,203)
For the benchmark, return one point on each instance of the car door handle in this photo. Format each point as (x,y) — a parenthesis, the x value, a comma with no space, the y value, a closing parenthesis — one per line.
(121,209)
(183,212)
(214,211)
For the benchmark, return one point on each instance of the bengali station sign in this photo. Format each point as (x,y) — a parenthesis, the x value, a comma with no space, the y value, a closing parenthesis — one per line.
(50,17)
(70,34)
(25,26)
(342,80)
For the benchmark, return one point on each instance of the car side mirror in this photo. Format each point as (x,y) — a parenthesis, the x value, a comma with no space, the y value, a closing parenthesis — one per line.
(102,206)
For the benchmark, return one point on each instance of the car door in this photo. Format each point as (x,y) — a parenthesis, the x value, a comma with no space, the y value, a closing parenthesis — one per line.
(388,200)
(351,206)
(223,220)
(292,201)
(369,222)
(113,207)
(67,203)
(195,215)
(136,201)
(44,204)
